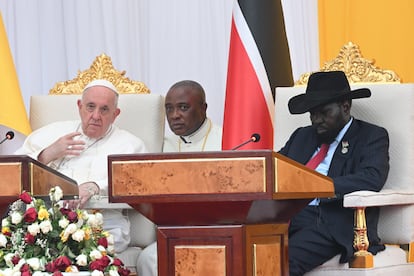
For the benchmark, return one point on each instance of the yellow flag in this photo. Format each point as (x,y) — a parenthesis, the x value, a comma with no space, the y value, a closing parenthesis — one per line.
(12,110)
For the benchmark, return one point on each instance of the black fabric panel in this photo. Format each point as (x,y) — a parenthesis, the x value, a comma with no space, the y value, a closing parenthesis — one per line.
(266,22)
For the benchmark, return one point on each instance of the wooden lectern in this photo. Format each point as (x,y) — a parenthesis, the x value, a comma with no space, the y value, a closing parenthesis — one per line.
(218,213)
(20,173)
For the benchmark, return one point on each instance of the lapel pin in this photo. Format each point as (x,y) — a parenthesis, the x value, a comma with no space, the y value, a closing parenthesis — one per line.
(345,146)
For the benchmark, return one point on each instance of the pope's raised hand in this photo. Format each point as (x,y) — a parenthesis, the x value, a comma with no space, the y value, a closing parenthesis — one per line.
(65,145)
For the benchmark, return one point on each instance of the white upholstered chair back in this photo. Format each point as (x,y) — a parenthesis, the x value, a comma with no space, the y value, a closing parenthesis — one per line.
(141,114)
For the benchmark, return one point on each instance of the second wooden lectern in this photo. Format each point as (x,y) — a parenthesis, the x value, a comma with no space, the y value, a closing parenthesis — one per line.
(218,213)
(20,173)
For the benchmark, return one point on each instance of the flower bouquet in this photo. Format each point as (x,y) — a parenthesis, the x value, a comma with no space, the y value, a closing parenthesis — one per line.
(37,240)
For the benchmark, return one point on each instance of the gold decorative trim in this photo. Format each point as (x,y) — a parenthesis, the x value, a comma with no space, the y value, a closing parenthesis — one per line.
(101,68)
(356,67)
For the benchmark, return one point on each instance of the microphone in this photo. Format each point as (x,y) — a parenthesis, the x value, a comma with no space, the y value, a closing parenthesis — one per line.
(254,138)
(9,136)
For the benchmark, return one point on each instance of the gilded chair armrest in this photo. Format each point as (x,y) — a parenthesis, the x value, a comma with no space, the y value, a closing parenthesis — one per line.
(102,202)
(386,197)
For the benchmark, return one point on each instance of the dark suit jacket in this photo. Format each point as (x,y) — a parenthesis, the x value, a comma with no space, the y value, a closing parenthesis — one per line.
(364,166)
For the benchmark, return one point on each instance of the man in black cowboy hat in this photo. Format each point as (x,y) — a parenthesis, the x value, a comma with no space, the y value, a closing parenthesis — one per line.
(357,159)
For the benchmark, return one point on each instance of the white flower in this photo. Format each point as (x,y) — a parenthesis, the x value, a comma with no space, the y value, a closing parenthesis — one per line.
(111,243)
(56,194)
(40,273)
(63,222)
(85,215)
(3,240)
(8,259)
(5,222)
(20,264)
(16,217)
(34,263)
(113,272)
(46,226)
(95,220)
(71,228)
(101,248)
(82,260)
(110,239)
(97,273)
(73,269)
(33,229)
(110,249)
(95,254)
(9,272)
(69,231)
(79,235)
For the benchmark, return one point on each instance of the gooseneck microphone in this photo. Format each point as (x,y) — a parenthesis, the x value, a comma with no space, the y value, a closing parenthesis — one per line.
(9,136)
(254,138)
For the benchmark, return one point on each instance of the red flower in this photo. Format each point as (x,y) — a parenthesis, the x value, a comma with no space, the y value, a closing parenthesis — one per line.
(65,211)
(25,270)
(50,267)
(100,264)
(57,273)
(103,241)
(123,271)
(29,238)
(15,259)
(26,273)
(72,216)
(30,215)
(117,262)
(25,197)
(62,262)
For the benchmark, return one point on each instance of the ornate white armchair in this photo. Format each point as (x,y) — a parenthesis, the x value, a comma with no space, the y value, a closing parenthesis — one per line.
(142,114)
(390,106)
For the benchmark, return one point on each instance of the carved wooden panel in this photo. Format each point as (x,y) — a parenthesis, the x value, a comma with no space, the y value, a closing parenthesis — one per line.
(10,180)
(267,249)
(267,259)
(200,260)
(189,176)
(299,181)
(200,251)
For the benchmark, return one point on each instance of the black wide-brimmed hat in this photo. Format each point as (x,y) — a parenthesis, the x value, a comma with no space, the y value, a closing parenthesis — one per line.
(324,88)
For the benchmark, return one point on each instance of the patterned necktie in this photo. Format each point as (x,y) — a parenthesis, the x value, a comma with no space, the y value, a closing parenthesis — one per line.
(317,159)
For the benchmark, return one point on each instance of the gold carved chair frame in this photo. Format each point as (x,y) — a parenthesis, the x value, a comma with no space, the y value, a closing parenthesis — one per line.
(101,68)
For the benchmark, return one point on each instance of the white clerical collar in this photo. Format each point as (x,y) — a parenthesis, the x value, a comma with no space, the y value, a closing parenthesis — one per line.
(199,134)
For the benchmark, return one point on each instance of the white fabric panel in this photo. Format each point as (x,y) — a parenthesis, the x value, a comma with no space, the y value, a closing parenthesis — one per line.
(141,114)
(301,24)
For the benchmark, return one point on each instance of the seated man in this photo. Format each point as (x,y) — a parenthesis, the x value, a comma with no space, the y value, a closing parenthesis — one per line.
(356,158)
(185,107)
(79,149)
